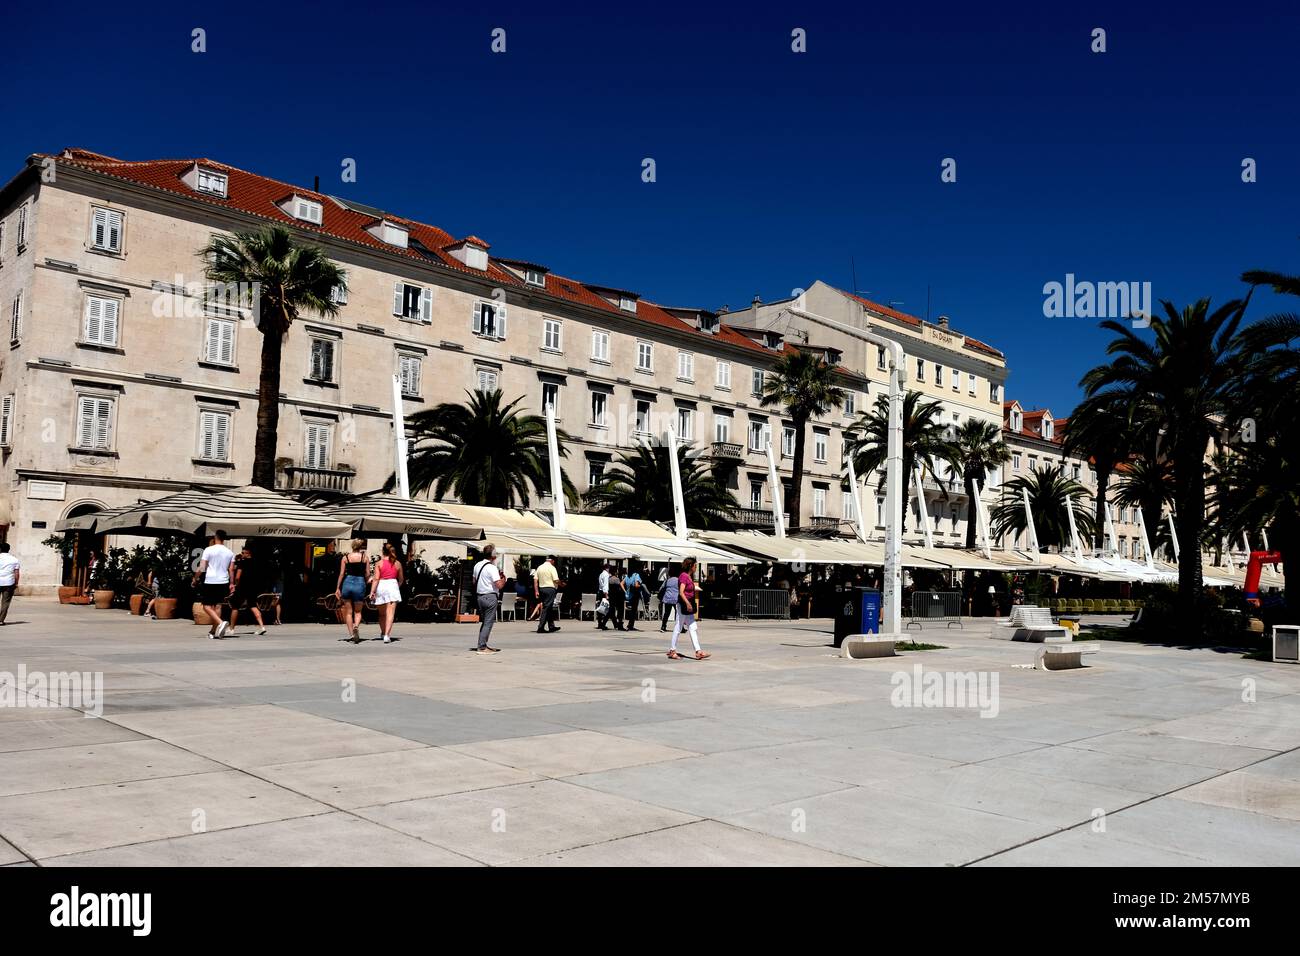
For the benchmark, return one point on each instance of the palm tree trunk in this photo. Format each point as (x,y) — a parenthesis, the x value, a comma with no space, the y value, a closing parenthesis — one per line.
(970,511)
(268,409)
(796,481)
(1189,473)
(1103,485)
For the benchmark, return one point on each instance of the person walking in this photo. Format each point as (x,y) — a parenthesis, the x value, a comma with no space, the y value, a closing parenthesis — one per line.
(686,604)
(617,598)
(667,598)
(351,586)
(248,585)
(214,566)
(635,591)
(386,589)
(10,572)
(602,595)
(488,582)
(546,580)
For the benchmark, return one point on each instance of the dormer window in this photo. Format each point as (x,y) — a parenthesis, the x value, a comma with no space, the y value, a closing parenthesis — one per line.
(1016,421)
(627,303)
(472,251)
(709,323)
(1047,427)
(535,277)
(212,182)
(773,340)
(389,232)
(308,210)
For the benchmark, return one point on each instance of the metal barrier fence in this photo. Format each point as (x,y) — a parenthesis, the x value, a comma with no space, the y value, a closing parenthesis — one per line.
(754,602)
(938,606)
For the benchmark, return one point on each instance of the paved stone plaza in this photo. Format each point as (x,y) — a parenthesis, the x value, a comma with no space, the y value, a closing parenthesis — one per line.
(590,748)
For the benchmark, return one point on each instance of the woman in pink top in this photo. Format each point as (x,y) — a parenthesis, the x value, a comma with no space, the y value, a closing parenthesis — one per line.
(386,592)
(687,599)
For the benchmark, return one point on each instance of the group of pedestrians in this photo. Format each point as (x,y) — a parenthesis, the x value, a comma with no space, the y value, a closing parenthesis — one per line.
(618,592)
(382,580)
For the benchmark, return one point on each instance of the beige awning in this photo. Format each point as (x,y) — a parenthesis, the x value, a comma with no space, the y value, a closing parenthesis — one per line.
(393,514)
(89,522)
(248,512)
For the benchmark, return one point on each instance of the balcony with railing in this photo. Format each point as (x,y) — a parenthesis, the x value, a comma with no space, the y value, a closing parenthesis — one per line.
(728,451)
(824,523)
(752,518)
(303,478)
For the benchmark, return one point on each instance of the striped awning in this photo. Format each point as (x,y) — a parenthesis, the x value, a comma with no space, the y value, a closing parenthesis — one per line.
(248,512)
(393,514)
(89,522)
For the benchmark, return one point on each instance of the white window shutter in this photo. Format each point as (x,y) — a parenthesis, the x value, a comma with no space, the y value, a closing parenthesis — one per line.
(397,298)
(426,305)
(221,437)
(99,228)
(476,324)
(6,419)
(85,421)
(94,318)
(226,347)
(103,419)
(108,333)
(501,322)
(206,437)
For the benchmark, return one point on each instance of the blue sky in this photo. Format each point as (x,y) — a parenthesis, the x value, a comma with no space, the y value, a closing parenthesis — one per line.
(773,168)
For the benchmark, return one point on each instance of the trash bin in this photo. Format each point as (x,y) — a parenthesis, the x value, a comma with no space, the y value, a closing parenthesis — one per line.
(858,613)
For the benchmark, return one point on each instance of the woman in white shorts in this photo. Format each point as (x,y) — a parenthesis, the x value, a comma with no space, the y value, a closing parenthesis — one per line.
(387,590)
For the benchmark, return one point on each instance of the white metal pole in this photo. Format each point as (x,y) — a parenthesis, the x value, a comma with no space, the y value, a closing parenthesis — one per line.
(679,502)
(399,440)
(1146,540)
(982,519)
(1029,521)
(778,520)
(1173,536)
(920,505)
(855,492)
(1112,542)
(559,518)
(1074,529)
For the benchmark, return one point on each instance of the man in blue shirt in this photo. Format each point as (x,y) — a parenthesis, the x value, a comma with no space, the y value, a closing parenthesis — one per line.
(635,593)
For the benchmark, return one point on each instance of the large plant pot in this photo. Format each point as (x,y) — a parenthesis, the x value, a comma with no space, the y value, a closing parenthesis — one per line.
(104,599)
(66,594)
(164,608)
(136,604)
(199,615)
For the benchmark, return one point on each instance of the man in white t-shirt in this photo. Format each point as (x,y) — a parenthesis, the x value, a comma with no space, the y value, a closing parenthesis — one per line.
(488,582)
(218,583)
(10,571)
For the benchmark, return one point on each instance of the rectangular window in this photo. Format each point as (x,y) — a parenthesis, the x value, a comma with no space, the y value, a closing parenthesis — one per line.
(339,294)
(685,424)
(101,321)
(489,320)
(408,369)
(214,435)
(595,473)
(627,304)
(645,357)
(413,302)
(599,409)
(551,398)
(881,364)
(760,434)
(756,382)
(994,391)
(850,402)
(956,380)
(821,441)
(533,277)
(20,233)
(95,422)
(920,370)
(847,507)
(6,420)
(2,238)
(322,360)
(106,230)
(317,438)
(971,382)
(219,341)
(16,319)
(938,375)
(819,503)
(1015,461)
(308,210)
(686,366)
(599,346)
(756,495)
(787,442)
(1076,472)
(210,182)
(551,332)
(723,379)
(487,379)
(643,416)
(722,428)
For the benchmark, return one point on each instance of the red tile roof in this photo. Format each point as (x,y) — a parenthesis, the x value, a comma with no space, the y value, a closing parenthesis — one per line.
(974,344)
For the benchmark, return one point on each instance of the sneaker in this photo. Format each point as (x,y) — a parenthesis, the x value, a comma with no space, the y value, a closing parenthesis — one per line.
(261,632)
(223,628)
(488,650)
(387,639)
(212,634)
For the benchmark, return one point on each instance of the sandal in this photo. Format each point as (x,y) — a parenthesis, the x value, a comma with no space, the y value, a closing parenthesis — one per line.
(674,655)
(702,655)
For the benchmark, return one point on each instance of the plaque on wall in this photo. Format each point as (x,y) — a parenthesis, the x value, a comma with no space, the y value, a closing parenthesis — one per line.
(47,490)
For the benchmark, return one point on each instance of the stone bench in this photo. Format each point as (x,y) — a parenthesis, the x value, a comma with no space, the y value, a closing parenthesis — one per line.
(862,646)
(1017,618)
(1066,655)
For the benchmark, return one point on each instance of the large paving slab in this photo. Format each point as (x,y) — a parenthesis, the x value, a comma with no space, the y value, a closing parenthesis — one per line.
(61,768)
(574,752)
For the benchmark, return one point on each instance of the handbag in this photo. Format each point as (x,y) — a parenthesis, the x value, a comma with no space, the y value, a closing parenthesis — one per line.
(602,607)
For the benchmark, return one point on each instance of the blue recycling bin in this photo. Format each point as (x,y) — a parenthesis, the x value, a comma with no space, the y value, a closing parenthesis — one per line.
(859,613)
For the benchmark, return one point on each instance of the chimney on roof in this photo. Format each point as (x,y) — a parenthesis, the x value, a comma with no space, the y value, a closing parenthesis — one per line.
(316,185)
(943,321)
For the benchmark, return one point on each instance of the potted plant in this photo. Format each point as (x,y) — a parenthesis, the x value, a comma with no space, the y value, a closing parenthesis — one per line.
(64,545)
(171,573)
(137,565)
(112,583)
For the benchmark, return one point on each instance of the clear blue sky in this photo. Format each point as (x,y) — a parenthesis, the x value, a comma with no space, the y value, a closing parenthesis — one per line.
(774,169)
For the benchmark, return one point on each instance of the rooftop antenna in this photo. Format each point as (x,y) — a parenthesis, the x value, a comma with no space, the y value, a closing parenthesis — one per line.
(927,303)
(853,267)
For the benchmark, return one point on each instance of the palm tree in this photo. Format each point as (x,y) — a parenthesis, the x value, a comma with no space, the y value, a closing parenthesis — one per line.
(288,278)
(640,485)
(1258,487)
(805,385)
(1098,432)
(1192,372)
(1147,482)
(1050,494)
(979,449)
(484,452)
(925,440)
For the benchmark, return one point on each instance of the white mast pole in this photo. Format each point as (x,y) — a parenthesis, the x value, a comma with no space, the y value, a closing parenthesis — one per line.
(920,505)
(856,493)
(778,521)
(559,518)
(679,501)
(399,440)
(1029,521)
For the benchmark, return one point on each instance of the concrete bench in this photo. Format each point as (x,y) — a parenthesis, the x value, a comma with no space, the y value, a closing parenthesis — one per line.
(1061,656)
(1017,618)
(862,646)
